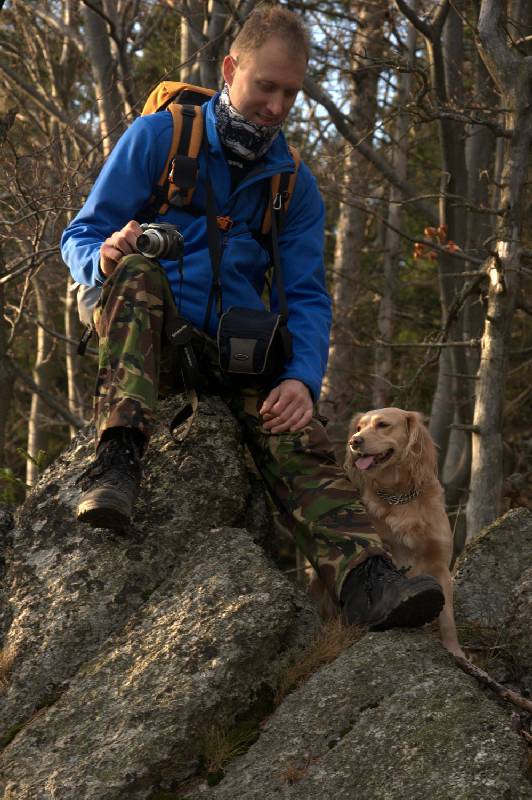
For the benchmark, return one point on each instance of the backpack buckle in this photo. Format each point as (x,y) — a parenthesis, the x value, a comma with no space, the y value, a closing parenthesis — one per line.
(183,172)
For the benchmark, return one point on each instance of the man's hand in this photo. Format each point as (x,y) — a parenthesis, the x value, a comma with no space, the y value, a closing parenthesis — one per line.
(119,244)
(288,407)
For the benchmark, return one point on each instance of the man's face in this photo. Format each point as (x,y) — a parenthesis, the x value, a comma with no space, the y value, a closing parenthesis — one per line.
(263,85)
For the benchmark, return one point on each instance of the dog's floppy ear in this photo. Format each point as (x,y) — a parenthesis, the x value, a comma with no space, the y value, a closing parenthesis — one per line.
(420,449)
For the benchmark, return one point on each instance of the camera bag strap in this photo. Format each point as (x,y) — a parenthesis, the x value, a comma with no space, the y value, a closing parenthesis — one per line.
(213,238)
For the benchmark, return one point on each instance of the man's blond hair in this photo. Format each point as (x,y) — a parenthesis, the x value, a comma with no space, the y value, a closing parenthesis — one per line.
(267,22)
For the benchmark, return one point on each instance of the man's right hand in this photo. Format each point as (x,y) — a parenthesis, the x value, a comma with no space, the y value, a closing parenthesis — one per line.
(121,243)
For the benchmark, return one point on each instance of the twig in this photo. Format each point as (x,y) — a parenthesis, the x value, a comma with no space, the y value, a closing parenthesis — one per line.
(462,427)
(55,334)
(50,401)
(468,343)
(43,256)
(486,680)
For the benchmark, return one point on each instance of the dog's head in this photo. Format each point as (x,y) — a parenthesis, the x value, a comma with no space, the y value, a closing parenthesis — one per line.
(389,437)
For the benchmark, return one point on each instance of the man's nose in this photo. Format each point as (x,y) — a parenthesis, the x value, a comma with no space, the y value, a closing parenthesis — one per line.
(276,104)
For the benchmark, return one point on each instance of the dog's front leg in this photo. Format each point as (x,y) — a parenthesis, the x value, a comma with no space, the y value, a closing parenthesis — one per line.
(448,633)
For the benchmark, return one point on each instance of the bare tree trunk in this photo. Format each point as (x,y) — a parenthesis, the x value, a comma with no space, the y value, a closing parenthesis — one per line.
(6,381)
(392,246)
(480,152)
(104,70)
(75,396)
(213,29)
(512,74)
(117,16)
(341,383)
(191,41)
(453,394)
(37,437)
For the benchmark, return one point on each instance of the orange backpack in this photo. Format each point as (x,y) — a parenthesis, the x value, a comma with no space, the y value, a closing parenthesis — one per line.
(178,179)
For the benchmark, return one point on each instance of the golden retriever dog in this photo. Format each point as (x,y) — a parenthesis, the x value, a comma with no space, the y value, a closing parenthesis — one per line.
(391,457)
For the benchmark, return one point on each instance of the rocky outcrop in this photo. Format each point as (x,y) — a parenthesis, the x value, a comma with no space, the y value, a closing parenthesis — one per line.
(122,653)
(126,648)
(518,628)
(392,717)
(489,568)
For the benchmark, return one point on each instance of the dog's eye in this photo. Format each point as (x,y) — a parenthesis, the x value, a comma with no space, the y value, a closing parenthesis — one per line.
(382,424)
(358,429)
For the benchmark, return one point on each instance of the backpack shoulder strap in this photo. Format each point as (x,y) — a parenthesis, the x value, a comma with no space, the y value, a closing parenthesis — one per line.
(281,191)
(178,178)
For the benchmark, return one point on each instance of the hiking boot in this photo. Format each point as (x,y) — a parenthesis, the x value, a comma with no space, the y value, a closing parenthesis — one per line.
(111,483)
(380,596)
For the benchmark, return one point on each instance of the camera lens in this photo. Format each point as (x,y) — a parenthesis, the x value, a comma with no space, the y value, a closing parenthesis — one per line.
(151,244)
(160,240)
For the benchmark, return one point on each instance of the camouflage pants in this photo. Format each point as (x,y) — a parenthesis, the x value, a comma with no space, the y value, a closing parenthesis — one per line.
(317,502)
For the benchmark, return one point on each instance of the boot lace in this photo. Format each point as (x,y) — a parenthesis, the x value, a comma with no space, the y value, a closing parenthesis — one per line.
(115,455)
(375,570)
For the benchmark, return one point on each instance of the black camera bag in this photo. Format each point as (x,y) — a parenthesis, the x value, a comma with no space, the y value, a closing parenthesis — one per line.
(252,342)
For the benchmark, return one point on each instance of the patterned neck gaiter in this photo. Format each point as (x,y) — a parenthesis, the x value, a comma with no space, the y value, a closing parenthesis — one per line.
(249,140)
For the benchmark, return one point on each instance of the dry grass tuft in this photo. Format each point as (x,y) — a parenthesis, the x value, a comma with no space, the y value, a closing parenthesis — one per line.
(333,638)
(220,745)
(7,658)
(486,646)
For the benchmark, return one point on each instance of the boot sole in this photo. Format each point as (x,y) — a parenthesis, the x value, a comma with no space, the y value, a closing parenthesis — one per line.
(103,517)
(414,611)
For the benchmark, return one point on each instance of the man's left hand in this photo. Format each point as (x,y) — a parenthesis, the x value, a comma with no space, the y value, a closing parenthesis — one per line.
(288,407)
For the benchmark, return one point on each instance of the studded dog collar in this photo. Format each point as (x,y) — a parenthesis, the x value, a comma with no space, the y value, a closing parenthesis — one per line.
(398,499)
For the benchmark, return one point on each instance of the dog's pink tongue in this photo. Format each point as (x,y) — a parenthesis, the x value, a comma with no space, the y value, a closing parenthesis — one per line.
(364,462)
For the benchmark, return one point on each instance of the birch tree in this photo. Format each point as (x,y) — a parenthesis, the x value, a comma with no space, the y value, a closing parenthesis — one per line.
(393,247)
(366,50)
(511,69)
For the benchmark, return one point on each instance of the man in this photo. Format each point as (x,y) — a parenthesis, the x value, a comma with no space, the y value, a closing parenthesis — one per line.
(263,73)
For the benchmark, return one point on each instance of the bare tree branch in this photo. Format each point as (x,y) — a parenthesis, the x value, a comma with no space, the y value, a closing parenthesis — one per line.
(45,104)
(344,126)
(50,401)
(65,30)
(486,680)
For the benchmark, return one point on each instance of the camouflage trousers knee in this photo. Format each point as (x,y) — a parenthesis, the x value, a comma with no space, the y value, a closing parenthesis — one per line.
(129,321)
(317,502)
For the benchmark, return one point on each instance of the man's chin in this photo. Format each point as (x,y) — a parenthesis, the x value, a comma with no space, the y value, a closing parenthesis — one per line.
(266,123)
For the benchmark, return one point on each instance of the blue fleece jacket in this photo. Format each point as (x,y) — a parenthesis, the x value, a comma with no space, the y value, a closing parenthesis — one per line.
(123,189)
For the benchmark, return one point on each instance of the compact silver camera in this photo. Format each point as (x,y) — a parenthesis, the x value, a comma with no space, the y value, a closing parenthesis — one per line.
(160,240)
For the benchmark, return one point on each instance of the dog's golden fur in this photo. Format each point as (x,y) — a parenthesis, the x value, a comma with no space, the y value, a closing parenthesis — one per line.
(416,532)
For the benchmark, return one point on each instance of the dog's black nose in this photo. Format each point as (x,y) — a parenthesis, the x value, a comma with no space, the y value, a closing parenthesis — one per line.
(356,441)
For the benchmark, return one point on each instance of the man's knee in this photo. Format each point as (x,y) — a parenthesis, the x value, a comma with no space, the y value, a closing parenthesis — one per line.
(136,266)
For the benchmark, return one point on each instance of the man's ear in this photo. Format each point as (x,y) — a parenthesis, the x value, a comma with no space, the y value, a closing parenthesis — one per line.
(228,69)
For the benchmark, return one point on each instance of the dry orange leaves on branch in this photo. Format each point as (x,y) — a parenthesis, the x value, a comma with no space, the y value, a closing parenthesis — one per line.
(439,237)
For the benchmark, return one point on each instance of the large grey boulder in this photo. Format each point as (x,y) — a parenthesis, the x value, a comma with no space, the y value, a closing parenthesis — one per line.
(391,719)
(189,657)
(128,647)
(490,567)
(518,628)
(120,652)
(6,527)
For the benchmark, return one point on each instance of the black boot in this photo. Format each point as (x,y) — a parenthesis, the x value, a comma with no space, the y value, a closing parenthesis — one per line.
(378,595)
(111,483)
